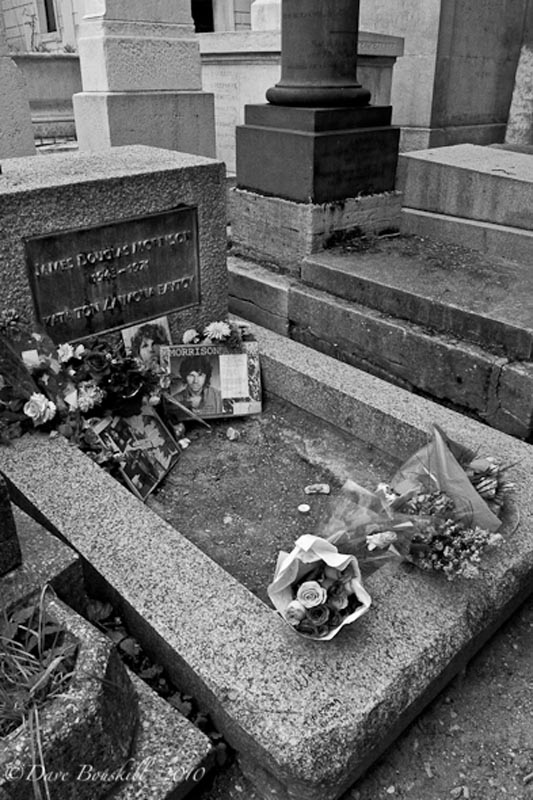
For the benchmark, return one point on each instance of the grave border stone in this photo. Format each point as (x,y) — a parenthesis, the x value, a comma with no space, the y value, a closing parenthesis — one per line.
(306,718)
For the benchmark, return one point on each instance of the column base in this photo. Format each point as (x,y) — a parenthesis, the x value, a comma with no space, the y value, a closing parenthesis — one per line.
(183,121)
(283,232)
(318,96)
(317,155)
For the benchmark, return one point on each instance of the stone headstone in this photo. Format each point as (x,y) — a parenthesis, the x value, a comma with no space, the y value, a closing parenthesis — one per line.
(134,227)
(265,15)
(16,133)
(10,555)
(141,78)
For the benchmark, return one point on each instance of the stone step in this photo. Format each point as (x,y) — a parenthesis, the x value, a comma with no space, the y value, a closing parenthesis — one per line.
(470,181)
(485,301)
(171,756)
(494,240)
(363,328)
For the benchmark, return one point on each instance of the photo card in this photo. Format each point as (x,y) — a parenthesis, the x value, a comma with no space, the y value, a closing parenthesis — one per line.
(212,380)
(146,448)
(145,340)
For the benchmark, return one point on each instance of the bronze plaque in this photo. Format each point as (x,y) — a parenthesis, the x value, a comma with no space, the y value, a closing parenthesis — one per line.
(91,280)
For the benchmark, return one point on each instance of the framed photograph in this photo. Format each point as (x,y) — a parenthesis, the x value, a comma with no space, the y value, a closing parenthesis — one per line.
(144,341)
(146,446)
(213,380)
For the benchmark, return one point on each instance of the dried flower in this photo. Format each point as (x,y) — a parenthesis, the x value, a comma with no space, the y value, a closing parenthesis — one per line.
(89,396)
(217,331)
(64,353)
(191,336)
(39,409)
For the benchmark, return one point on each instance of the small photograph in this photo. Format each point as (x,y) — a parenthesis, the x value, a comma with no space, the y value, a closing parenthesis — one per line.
(197,384)
(147,448)
(144,341)
(212,381)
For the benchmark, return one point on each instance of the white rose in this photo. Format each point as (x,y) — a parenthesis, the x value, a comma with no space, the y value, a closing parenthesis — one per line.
(39,409)
(311,594)
(295,612)
(64,353)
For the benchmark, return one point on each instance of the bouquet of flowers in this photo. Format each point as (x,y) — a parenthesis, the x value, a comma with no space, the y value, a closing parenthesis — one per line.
(317,590)
(440,511)
(60,388)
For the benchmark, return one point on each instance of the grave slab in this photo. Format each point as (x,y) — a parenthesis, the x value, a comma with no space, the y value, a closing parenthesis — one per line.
(470,181)
(306,718)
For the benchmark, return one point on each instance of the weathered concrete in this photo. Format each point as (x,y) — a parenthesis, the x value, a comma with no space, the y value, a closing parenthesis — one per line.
(265,15)
(283,231)
(45,560)
(170,756)
(141,77)
(258,294)
(16,134)
(89,729)
(488,302)
(400,351)
(455,80)
(66,191)
(51,79)
(459,330)
(495,240)
(481,183)
(307,720)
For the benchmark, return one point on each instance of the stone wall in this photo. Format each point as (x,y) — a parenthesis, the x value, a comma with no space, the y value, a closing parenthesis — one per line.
(455,80)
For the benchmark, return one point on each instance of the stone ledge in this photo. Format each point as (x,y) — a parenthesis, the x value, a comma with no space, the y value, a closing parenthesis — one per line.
(495,240)
(170,757)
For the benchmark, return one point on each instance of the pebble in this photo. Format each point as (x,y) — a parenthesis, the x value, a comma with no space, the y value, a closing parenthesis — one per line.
(303,508)
(317,488)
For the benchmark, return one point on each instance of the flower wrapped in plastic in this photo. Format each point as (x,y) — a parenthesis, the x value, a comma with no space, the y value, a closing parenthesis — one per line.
(317,590)
(440,511)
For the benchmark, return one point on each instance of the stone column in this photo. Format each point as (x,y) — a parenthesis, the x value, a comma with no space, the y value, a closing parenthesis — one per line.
(16,132)
(10,555)
(317,140)
(319,55)
(141,78)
